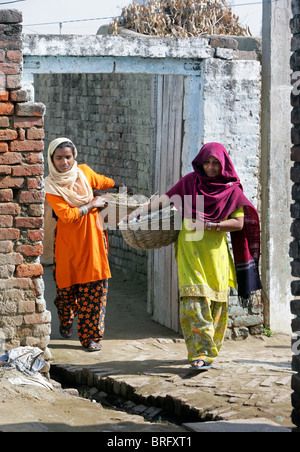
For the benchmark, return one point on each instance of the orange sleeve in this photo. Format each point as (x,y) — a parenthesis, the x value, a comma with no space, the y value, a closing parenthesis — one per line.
(97,181)
(62,209)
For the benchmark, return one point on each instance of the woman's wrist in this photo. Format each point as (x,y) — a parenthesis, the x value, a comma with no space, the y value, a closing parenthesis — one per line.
(83,210)
(209,226)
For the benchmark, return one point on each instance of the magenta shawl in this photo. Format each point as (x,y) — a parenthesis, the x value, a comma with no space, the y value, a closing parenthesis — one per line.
(222,196)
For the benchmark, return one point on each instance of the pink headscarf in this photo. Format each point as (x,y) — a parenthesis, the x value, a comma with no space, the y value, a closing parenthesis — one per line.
(222,196)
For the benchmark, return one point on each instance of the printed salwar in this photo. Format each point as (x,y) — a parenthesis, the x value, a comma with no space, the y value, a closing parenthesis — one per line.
(204,324)
(88,302)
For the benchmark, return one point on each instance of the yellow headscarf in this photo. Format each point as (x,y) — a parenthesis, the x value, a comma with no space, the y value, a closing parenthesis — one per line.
(73,186)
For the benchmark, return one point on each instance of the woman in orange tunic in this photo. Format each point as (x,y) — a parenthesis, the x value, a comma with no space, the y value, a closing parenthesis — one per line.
(81,266)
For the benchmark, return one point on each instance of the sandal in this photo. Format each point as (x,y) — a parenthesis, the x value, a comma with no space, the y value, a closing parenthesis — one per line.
(94,347)
(66,332)
(197,365)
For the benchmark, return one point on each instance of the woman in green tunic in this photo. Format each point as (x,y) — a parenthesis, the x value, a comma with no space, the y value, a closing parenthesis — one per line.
(205,265)
(206,271)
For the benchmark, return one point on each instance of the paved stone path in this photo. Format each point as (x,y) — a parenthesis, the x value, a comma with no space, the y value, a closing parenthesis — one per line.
(145,364)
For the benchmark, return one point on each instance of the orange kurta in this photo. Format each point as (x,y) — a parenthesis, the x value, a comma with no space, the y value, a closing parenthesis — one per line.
(80,252)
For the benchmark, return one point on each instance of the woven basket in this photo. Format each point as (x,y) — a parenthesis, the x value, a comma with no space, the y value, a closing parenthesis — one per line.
(116,210)
(153,233)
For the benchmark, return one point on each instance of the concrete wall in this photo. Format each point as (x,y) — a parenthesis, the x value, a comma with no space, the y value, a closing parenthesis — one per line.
(275,164)
(231,115)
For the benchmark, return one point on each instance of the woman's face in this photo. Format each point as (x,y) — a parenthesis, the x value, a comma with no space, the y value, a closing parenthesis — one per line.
(212,167)
(63,159)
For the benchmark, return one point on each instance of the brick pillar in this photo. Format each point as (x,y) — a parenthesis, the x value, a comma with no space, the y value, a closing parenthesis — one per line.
(295,208)
(24,319)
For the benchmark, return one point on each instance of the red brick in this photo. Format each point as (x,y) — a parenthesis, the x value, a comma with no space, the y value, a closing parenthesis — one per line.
(28,122)
(10,68)
(16,283)
(8,135)
(4,121)
(3,147)
(34,157)
(10,158)
(5,170)
(6,195)
(6,221)
(6,247)
(36,236)
(30,109)
(26,307)
(14,55)
(34,183)
(31,197)
(9,234)
(6,43)
(13,81)
(11,182)
(28,170)
(19,96)
(11,259)
(29,222)
(36,319)
(7,271)
(30,250)
(29,270)
(22,134)
(4,95)
(36,210)
(7,108)
(35,134)
(10,208)
(27,145)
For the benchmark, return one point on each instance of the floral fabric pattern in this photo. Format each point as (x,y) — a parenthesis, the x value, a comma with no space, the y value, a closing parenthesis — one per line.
(88,302)
(204,324)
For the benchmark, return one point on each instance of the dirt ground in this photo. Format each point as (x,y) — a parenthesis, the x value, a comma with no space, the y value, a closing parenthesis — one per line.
(32,409)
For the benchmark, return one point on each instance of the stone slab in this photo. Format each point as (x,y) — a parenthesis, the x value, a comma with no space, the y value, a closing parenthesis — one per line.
(238,426)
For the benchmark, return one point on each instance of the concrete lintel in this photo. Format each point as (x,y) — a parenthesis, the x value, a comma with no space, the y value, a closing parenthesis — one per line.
(134,65)
(116,46)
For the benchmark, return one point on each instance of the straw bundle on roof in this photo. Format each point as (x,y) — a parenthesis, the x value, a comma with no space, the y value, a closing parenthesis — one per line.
(180,18)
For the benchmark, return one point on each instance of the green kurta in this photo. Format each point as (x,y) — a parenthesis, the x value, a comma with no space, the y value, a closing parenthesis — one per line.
(205,266)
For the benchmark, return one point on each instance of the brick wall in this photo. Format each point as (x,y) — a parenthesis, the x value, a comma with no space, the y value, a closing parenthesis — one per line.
(23,316)
(295,208)
(108,117)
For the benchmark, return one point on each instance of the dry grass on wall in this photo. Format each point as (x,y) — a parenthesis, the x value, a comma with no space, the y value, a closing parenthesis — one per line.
(180,19)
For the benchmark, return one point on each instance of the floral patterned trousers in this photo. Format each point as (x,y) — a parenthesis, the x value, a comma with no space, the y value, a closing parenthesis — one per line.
(88,301)
(204,324)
